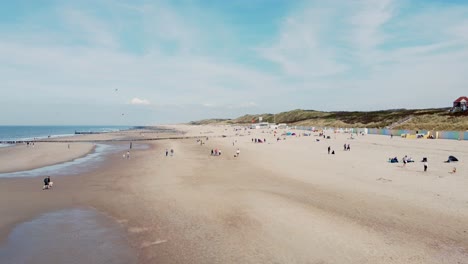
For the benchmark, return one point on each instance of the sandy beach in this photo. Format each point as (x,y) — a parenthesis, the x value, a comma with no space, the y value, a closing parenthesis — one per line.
(286,201)
(25,157)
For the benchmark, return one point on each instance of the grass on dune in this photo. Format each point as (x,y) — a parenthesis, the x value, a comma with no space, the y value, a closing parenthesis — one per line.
(428,119)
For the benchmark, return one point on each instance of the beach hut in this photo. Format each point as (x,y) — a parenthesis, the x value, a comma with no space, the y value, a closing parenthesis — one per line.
(461,104)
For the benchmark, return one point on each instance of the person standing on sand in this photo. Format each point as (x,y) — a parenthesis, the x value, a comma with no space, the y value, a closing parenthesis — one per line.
(46,183)
(130,145)
(425,166)
(128,155)
(329,149)
(172,152)
(238,152)
(167,152)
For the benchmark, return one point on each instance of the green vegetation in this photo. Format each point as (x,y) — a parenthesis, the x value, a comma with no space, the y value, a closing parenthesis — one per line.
(437,118)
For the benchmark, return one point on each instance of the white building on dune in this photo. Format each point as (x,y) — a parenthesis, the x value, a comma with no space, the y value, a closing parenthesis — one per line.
(261,125)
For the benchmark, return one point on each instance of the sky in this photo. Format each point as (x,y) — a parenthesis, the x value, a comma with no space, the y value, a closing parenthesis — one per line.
(116,62)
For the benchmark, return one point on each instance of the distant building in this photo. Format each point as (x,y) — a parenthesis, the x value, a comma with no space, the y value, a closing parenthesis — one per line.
(260,125)
(461,104)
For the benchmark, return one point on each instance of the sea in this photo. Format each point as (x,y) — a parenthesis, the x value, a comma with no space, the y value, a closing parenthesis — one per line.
(15,133)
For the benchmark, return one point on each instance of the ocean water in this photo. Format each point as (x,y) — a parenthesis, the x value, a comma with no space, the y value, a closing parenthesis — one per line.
(12,133)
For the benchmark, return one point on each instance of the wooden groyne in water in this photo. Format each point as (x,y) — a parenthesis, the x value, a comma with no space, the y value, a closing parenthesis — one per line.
(87,132)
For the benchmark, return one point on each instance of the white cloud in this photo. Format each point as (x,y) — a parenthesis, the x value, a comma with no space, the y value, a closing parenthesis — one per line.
(138,101)
(299,49)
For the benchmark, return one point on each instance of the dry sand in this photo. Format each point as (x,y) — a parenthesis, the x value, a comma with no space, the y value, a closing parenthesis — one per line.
(279,202)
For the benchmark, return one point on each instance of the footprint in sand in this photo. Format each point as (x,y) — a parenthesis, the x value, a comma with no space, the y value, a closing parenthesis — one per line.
(384,180)
(137,230)
(148,244)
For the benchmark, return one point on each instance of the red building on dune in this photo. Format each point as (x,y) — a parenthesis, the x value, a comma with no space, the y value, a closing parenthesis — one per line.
(461,104)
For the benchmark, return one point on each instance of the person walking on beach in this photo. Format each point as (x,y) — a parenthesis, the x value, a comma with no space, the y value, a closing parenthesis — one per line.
(425,165)
(172,152)
(329,149)
(348,147)
(46,183)
(167,152)
(237,152)
(128,155)
(344,147)
(130,145)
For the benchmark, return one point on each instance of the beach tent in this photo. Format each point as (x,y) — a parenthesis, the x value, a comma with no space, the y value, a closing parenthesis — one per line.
(451,159)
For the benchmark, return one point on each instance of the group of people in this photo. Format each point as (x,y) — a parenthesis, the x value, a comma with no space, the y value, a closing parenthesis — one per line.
(215,152)
(258,140)
(332,151)
(167,152)
(407,159)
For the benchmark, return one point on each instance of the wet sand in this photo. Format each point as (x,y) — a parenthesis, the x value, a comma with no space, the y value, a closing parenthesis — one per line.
(279,202)
(68,236)
(23,157)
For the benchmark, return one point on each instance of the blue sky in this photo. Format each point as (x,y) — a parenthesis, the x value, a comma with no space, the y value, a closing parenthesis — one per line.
(152,62)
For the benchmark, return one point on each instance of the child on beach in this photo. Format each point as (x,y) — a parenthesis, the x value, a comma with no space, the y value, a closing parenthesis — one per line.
(47,183)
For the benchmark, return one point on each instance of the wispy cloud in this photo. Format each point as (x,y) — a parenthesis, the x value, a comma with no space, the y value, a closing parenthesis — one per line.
(138,101)
(320,55)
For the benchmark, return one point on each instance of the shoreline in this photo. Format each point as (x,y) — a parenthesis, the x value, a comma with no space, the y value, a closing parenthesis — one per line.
(285,201)
(21,158)
(45,152)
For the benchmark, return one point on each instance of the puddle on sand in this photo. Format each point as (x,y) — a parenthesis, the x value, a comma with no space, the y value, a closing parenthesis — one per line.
(68,236)
(77,166)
